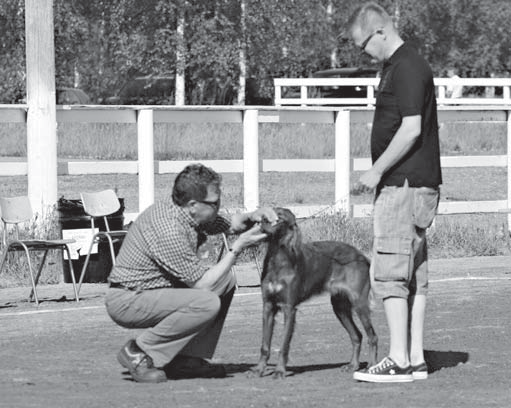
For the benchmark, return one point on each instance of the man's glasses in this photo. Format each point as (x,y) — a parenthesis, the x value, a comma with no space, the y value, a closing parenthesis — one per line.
(213,204)
(366,41)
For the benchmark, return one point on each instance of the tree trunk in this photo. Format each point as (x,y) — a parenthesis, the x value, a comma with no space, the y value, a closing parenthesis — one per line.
(180,59)
(242,55)
(330,15)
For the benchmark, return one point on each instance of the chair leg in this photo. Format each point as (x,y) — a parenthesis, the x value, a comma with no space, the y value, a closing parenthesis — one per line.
(111,245)
(32,280)
(38,275)
(84,268)
(72,272)
(5,252)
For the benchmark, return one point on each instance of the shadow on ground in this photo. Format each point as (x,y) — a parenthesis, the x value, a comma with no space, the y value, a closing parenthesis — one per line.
(443,359)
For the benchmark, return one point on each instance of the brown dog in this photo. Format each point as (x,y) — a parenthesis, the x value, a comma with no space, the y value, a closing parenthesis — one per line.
(294,271)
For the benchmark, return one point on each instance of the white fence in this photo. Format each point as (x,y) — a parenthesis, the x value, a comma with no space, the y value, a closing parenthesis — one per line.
(308,95)
(251,165)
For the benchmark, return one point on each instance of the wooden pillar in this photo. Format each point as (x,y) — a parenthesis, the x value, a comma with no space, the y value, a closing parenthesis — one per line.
(145,159)
(508,116)
(251,159)
(342,161)
(41,116)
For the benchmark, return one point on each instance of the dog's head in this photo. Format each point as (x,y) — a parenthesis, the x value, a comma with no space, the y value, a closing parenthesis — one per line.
(285,220)
(284,233)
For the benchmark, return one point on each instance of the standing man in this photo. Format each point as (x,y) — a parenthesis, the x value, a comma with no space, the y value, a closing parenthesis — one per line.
(454,91)
(160,284)
(406,175)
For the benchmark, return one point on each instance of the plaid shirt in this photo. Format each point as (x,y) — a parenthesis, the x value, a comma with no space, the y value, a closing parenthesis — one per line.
(160,249)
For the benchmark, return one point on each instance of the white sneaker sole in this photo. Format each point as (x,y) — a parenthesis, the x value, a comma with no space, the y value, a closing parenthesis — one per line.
(382,378)
(420,375)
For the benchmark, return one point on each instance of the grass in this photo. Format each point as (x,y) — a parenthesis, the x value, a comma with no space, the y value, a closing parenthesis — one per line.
(224,141)
(42,227)
(452,235)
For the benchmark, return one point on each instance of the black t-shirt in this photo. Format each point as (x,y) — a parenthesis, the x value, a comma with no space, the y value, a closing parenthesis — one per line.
(406,89)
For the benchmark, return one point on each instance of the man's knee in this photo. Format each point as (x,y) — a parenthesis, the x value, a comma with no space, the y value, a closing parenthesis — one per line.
(206,303)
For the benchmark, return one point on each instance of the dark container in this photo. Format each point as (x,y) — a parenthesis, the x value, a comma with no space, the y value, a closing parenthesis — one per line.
(72,217)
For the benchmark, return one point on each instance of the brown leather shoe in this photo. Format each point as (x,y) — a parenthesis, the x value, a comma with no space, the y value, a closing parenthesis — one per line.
(193,367)
(139,364)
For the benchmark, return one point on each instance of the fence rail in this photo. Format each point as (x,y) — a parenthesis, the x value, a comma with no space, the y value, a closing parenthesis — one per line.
(251,165)
(309,95)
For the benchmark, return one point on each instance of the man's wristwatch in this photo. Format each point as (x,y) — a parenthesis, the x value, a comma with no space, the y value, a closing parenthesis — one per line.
(235,252)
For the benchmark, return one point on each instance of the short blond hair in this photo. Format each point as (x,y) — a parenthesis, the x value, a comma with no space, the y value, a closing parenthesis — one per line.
(369,17)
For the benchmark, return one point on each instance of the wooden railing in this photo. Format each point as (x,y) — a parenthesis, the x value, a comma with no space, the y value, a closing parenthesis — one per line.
(250,117)
(310,96)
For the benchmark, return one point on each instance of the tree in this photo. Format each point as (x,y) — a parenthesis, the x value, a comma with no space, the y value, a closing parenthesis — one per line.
(12,51)
(231,44)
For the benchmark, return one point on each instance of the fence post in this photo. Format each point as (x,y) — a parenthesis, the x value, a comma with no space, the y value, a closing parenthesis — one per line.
(41,114)
(505,92)
(370,93)
(508,116)
(278,94)
(303,94)
(251,159)
(145,159)
(342,161)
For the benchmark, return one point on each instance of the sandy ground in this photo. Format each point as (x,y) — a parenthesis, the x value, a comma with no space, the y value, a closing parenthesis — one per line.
(62,353)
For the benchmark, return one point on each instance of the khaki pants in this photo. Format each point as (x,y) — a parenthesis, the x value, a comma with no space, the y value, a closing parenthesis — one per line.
(177,320)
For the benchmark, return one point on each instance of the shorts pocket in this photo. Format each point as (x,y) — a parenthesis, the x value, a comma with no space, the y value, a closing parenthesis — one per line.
(425,206)
(392,259)
(393,245)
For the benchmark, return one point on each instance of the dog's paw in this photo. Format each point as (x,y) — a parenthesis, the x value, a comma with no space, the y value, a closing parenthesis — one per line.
(257,371)
(350,367)
(279,373)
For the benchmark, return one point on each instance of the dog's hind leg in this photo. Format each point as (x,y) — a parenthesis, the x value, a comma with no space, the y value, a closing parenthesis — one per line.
(342,308)
(364,314)
(289,327)
(269,311)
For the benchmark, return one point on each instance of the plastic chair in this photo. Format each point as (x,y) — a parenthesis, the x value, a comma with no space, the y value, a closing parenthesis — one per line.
(101,204)
(16,211)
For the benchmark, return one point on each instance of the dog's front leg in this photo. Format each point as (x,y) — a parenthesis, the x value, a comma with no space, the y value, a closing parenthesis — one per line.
(269,312)
(289,327)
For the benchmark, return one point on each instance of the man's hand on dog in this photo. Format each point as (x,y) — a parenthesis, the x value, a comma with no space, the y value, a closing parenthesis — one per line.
(267,214)
(245,221)
(248,238)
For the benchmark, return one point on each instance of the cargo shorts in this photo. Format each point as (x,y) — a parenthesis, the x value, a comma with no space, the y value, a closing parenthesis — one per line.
(399,266)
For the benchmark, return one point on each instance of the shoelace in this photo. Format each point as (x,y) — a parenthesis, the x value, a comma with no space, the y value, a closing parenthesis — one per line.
(385,363)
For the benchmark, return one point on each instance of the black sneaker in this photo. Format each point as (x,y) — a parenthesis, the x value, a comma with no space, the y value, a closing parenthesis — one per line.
(420,371)
(139,364)
(386,371)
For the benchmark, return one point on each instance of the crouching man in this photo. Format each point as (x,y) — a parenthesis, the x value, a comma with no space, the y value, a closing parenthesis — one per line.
(160,284)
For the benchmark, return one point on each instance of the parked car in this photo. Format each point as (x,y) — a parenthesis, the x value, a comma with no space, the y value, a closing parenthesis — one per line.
(294,92)
(344,91)
(72,96)
(145,90)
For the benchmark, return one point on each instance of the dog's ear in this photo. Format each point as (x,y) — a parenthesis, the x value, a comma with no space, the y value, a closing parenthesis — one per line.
(293,241)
